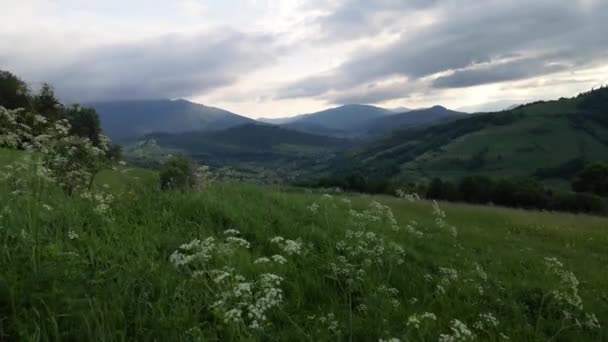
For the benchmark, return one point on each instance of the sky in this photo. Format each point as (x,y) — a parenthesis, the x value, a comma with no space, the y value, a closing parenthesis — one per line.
(277,58)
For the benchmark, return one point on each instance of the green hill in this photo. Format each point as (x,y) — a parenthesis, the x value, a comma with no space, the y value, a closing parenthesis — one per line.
(548,140)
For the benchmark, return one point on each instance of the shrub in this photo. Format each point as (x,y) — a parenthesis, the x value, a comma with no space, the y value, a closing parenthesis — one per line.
(177,174)
(593,179)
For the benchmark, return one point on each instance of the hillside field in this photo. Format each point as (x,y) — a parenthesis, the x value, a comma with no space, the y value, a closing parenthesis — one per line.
(267,263)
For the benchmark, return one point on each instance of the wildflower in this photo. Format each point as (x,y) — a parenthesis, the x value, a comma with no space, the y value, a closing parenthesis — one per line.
(327,196)
(238,241)
(196,251)
(459,332)
(313,208)
(72,235)
(279,259)
(231,232)
(416,319)
(290,247)
(47,207)
(262,260)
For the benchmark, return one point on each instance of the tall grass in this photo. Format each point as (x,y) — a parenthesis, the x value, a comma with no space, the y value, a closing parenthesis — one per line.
(100,267)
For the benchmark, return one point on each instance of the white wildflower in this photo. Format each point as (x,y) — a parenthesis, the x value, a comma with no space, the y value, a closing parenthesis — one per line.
(72,235)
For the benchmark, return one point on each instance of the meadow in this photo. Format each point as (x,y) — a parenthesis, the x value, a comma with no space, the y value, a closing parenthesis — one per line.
(234,262)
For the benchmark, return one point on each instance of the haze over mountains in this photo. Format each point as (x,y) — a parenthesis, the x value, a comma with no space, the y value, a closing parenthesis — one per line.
(128,120)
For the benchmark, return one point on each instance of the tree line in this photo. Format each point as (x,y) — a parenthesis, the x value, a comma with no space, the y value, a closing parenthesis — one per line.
(589,195)
(84,122)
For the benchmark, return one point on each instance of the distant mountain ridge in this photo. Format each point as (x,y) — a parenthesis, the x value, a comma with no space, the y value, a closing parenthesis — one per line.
(128,120)
(343,118)
(412,118)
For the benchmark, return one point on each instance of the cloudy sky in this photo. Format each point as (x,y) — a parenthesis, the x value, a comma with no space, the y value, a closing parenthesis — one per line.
(272,58)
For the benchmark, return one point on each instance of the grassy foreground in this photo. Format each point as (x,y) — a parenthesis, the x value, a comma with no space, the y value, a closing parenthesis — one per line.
(109,267)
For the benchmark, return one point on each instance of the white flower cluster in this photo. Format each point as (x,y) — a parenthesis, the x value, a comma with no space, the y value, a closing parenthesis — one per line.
(566,296)
(238,300)
(195,253)
(325,323)
(289,247)
(70,161)
(448,276)
(101,200)
(459,333)
(486,321)
(440,220)
(313,208)
(246,302)
(416,320)
(413,197)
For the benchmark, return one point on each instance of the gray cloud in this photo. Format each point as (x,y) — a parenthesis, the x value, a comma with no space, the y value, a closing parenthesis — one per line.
(175,65)
(470,40)
(498,72)
(360,18)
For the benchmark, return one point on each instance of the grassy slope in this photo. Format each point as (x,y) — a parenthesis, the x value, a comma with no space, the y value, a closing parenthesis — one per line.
(519,149)
(120,286)
(513,143)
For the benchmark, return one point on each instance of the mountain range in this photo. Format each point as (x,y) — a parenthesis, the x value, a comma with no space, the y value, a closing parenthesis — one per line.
(548,140)
(128,120)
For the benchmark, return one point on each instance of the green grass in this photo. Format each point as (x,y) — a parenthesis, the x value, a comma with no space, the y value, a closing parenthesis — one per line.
(115,281)
(512,151)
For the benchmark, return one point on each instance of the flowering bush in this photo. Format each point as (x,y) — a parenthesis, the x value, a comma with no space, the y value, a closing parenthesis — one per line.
(68,160)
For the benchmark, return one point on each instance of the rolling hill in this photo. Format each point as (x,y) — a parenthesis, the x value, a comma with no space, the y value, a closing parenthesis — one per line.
(547,140)
(128,120)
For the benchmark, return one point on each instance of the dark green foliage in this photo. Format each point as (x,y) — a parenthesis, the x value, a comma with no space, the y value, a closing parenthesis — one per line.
(85,123)
(518,193)
(566,170)
(357,183)
(177,174)
(593,179)
(439,189)
(7,316)
(476,189)
(595,100)
(14,92)
(114,153)
(47,104)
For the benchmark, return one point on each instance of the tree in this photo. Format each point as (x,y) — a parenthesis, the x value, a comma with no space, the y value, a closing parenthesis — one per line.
(13,92)
(84,123)
(114,154)
(441,190)
(593,179)
(177,174)
(476,189)
(47,105)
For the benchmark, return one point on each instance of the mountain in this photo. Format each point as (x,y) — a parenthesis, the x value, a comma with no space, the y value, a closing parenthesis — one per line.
(400,110)
(261,143)
(128,120)
(344,118)
(547,140)
(413,118)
